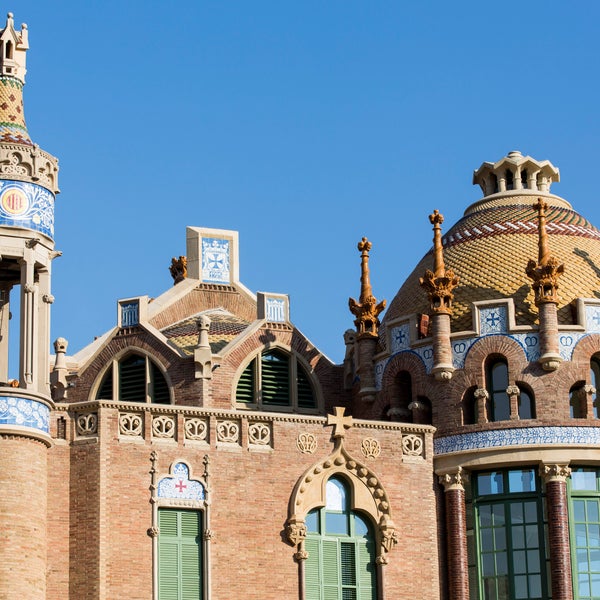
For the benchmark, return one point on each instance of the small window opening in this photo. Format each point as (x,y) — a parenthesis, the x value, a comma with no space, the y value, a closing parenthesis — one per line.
(508,176)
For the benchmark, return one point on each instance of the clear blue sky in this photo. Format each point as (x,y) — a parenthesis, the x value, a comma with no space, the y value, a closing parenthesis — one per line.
(303,125)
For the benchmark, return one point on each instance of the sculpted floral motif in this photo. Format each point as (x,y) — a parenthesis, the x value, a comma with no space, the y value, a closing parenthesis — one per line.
(130,424)
(163,426)
(306,443)
(412,445)
(296,533)
(196,429)
(87,424)
(228,431)
(259,434)
(370,448)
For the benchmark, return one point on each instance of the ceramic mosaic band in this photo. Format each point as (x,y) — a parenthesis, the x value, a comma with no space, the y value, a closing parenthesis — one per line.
(27,206)
(24,412)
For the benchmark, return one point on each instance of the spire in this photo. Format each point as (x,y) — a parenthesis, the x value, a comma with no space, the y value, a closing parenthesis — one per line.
(440,282)
(546,271)
(366,309)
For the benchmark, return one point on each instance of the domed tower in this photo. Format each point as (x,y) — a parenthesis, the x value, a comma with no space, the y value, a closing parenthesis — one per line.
(503,347)
(28,184)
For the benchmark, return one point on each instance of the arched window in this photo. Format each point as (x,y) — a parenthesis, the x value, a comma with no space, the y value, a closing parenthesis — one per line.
(341,550)
(402,398)
(497,383)
(276,380)
(508,175)
(135,378)
(595,381)
(524,179)
(469,407)
(577,401)
(526,402)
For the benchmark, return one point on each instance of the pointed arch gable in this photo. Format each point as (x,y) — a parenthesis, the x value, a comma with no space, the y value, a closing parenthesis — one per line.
(367,496)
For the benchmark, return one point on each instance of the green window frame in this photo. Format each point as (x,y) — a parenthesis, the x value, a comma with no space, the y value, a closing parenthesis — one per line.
(508,556)
(179,554)
(584,526)
(137,379)
(341,550)
(275,380)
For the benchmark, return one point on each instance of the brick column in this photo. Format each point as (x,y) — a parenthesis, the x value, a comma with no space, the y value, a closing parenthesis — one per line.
(555,477)
(456,534)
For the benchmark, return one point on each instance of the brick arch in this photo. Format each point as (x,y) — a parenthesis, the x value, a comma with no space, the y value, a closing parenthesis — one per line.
(495,345)
(404,361)
(117,347)
(585,348)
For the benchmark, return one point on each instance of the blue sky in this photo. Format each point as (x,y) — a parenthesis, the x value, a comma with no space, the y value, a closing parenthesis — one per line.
(303,125)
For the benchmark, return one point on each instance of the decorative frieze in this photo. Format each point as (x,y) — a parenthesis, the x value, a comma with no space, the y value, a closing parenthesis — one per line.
(412,445)
(259,434)
(131,424)
(228,432)
(86,424)
(196,429)
(163,426)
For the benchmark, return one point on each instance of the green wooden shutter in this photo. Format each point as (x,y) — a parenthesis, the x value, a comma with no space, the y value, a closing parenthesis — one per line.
(160,389)
(331,570)
(105,391)
(306,398)
(366,571)
(245,387)
(275,379)
(179,555)
(312,570)
(132,379)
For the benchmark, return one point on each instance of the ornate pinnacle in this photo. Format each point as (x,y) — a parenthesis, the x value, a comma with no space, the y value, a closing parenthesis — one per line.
(366,309)
(440,282)
(546,271)
(178,269)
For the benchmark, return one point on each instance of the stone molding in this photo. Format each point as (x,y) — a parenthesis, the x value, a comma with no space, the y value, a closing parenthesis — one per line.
(29,163)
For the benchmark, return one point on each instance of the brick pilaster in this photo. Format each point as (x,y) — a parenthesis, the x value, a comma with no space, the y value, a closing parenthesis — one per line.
(555,477)
(456,532)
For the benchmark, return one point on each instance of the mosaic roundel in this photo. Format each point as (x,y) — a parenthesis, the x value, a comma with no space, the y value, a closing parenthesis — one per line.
(27,206)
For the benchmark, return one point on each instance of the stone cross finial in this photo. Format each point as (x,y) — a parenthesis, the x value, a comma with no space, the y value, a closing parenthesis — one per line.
(366,309)
(439,283)
(546,271)
(339,422)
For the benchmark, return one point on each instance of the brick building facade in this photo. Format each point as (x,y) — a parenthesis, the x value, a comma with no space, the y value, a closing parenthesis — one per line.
(204,448)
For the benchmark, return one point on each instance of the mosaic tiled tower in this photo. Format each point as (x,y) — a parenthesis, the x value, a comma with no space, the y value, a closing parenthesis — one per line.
(28,184)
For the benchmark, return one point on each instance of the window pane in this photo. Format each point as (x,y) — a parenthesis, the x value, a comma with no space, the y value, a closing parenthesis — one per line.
(336,495)
(490,483)
(312,521)
(336,523)
(583,479)
(521,481)
(360,527)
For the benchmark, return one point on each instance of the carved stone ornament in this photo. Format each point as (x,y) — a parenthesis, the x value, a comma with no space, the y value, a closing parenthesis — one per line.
(196,429)
(306,443)
(550,473)
(370,448)
(87,424)
(454,480)
(228,431)
(163,427)
(259,434)
(412,445)
(366,310)
(209,534)
(152,532)
(295,532)
(131,424)
(513,390)
(339,421)
(481,393)
(301,555)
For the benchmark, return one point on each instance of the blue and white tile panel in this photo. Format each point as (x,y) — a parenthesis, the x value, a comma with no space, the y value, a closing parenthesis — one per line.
(24,412)
(493,320)
(27,206)
(530,343)
(592,318)
(179,486)
(216,260)
(527,436)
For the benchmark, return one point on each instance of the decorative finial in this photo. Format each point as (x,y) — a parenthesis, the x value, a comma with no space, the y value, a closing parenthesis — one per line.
(339,421)
(546,271)
(440,282)
(366,309)
(178,269)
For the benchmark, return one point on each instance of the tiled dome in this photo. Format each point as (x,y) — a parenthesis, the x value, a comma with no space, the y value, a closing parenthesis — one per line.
(490,246)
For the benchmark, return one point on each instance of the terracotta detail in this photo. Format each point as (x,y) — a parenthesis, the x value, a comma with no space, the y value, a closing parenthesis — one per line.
(439,283)
(178,269)
(546,271)
(367,309)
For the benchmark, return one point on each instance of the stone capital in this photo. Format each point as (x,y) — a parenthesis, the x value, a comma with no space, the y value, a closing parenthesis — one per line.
(481,393)
(556,472)
(454,480)
(512,390)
